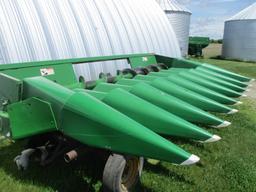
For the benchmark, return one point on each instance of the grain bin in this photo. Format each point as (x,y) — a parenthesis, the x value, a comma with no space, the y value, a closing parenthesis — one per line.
(46,30)
(239,40)
(179,17)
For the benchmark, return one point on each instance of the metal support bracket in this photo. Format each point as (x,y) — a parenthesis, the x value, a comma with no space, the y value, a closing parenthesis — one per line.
(31,117)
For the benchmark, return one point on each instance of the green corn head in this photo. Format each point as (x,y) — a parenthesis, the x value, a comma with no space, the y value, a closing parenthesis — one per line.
(125,114)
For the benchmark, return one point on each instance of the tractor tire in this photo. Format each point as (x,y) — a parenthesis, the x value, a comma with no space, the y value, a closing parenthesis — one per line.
(121,173)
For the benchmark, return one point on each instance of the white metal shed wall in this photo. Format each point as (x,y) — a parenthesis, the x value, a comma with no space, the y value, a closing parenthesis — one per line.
(239,41)
(179,17)
(34,30)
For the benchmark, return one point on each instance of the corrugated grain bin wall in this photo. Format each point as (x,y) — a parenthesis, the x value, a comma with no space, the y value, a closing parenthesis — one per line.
(179,17)
(239,41)
(35,30)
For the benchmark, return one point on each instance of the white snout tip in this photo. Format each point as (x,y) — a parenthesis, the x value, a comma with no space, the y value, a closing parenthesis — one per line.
(233,111)
(238,103)
(222,125)
(191,160)
(214,138)
(244,95)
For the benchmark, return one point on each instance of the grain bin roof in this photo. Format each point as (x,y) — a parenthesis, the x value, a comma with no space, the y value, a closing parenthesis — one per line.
(172,5)
(246,14)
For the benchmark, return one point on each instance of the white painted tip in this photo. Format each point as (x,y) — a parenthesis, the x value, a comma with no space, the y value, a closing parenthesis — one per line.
(250,85)
(238,103)
(222,125)
(8,134)
(252,80)
(248,90)
(153,161)
(214,138)
(233,111)
(244,95)
(191,160)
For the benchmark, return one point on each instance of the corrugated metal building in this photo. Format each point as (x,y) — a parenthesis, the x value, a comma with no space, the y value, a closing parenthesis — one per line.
(239,41)
(179,17)
(32,30)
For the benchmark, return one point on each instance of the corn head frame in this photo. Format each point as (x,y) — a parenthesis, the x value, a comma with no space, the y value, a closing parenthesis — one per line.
(123,117)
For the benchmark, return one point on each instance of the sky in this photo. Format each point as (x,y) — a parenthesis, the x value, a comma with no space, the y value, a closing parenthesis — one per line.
(208,16)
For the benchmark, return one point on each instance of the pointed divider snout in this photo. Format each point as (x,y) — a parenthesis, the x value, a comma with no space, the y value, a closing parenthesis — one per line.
(186,74)
(90,121)
(218,81)
(196,88)
(163,100)
(151,116)
(220,76)
(211,85)
(224,72)
(186,95)
(224,124)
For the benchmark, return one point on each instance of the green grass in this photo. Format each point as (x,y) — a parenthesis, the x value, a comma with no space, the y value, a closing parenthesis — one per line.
(228,165)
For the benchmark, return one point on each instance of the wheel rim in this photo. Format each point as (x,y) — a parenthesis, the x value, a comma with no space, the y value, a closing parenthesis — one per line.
(130,173)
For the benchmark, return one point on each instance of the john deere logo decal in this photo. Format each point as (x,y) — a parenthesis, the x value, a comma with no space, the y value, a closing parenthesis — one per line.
(47,71)
(144,59)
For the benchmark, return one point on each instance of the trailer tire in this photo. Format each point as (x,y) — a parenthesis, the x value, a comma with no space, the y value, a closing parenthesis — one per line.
(122,173)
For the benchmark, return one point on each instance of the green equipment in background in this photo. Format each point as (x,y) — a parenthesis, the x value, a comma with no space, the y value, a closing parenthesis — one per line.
(197,44)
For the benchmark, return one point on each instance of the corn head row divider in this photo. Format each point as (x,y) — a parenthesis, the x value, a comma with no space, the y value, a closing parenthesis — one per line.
(125,118)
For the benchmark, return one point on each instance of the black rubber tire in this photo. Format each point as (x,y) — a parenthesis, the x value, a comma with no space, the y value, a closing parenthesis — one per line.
(114,171)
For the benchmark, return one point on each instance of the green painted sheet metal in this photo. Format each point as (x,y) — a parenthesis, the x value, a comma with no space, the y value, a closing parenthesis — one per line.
(4,124)
(135,60)
(196,45)
(88,120)
(10,90)
(218,81)
(55,70)
(203,82)
(225,72)
(177,62)
(225,78)
(55,73)
(203,41)
(185,94)
(31,117)
(163,100)
(43,88)
(196,88)
(149,115)
(95,123)
(74,61)
(184,63)
(211,85)
(142,61)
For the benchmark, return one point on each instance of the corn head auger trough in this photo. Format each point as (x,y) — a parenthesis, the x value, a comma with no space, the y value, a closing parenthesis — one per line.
(121,116)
